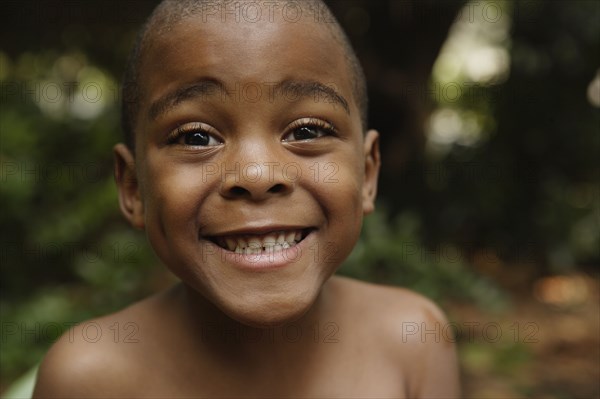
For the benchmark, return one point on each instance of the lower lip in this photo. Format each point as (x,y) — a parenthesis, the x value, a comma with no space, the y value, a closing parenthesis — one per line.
(266,261)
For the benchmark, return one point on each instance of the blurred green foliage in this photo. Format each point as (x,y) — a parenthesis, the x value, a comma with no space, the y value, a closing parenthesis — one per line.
(528,185)
(390,252)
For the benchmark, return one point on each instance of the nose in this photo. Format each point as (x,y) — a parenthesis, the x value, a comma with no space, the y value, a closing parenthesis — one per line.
(256,181)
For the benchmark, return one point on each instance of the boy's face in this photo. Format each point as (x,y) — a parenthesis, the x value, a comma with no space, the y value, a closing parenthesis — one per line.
(249,135)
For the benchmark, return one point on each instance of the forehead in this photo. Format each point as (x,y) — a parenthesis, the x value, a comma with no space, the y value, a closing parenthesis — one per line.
(241,52)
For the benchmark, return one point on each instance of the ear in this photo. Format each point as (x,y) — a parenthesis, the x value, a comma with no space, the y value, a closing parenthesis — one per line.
(130,199)
(372,164)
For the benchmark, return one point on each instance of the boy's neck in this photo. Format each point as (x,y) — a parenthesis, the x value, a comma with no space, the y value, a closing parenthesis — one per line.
(224,336)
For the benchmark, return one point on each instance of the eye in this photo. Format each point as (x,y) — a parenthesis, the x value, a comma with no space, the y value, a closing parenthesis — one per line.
(194,135)
(308,129)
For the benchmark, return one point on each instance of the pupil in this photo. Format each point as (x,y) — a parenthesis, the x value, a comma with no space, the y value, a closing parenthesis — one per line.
(196,138)
(305,133)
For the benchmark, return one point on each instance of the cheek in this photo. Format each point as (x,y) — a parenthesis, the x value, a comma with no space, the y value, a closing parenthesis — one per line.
(340,199)
(174,196)
(340,187)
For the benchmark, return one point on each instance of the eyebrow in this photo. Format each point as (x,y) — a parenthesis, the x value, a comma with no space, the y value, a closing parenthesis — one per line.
(312,88)
(290,89)
(200,88)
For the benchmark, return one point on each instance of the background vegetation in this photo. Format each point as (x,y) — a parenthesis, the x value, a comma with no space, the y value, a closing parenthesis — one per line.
(489,202)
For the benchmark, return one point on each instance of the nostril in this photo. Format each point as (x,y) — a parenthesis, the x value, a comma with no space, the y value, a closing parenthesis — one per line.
(254,192)
(277,188)
(238,191)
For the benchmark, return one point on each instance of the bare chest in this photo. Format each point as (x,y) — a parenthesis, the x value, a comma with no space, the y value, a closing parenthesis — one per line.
(332,370)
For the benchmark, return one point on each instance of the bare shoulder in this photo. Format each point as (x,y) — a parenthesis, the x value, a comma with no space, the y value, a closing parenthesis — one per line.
(395,304)
(413,330)
(98,357)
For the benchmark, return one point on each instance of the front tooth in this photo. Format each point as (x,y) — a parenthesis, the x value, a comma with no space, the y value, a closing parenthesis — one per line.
(285,245)
(254,242)
(289,237)
(269,240)
(298,236)
(231,243)
(281,238)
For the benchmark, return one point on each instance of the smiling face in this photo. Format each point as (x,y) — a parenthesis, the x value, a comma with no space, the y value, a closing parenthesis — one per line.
(251,174)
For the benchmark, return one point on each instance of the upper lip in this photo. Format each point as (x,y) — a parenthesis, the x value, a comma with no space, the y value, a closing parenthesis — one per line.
(258,229)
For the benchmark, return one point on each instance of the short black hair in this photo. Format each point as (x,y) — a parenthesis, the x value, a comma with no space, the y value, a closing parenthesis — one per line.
(169,12)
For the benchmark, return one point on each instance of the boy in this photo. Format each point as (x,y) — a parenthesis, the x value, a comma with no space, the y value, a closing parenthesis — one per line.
(250,169)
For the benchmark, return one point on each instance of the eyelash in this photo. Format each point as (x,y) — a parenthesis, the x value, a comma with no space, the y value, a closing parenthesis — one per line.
(198,127)
(327,127)
(195,127)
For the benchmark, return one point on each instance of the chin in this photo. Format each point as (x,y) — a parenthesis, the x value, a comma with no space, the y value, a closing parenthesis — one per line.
(268,312)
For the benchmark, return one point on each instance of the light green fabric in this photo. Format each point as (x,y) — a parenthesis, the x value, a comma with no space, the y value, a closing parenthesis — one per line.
(23,387)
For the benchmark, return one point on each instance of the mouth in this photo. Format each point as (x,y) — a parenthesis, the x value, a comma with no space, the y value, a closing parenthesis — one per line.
(266,243)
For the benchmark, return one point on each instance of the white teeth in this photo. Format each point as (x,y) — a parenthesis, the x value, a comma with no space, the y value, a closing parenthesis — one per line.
(241,242)
(269,240)
(281,238)
(231,243)
(289,237)
(256,244)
